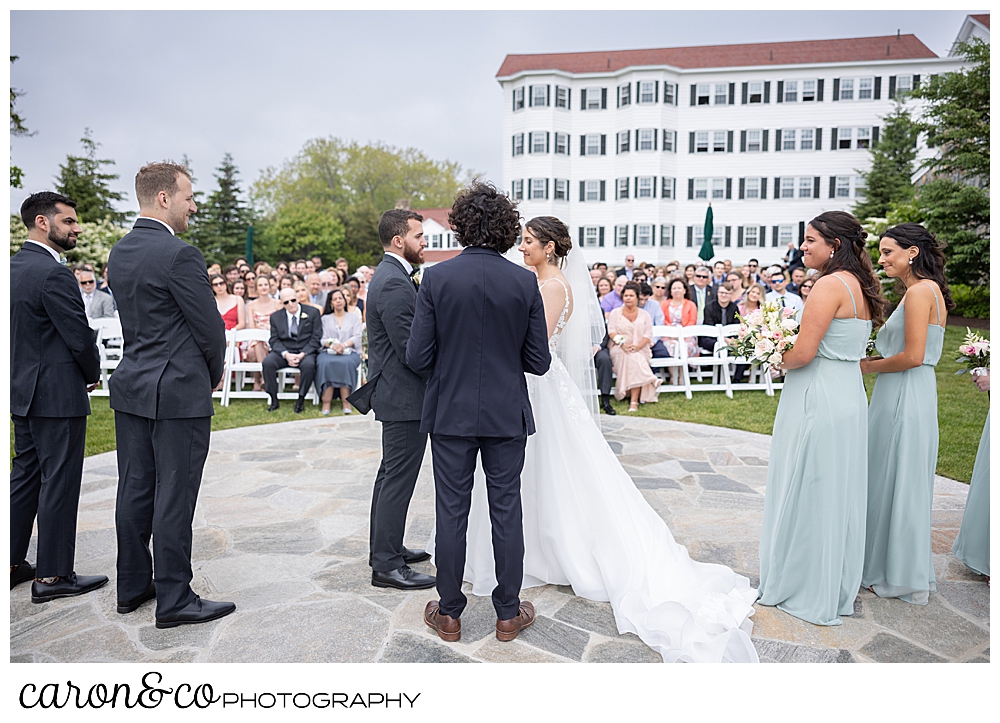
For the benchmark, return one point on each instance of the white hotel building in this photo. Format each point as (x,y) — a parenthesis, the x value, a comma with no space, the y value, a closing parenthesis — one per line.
(629,147)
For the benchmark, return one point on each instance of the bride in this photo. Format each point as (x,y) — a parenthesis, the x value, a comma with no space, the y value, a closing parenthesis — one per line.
(585,523)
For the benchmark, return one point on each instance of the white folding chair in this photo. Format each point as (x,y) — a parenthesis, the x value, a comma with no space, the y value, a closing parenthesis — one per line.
(758,376)
(678,365)
(237,369)
(110,348)
(716,363)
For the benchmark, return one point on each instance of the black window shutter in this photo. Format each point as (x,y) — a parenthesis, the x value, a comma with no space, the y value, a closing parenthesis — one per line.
(618,142)
(604,99)
(513,99)
(732,93)
(878,87)
(763,188)
(774,237)
(653,184)
(777,187)
(531,95)
(729,236)
(743,141)
(767,91)
(762,236)
(690,189)
(581,235)
(833,139)
(546,189)
(781,92)
(655,141)
(691,142)
(690,242)
(600,237)
(892,87)
(548,95)
(656,91)
(529,142)
(638,95)
(729,189)
(916,81)
(569,98)
(763,139)
(618,97)
(802,232)
(816,186)
(836,89)
(513,145)
(583,191)
(694,97)
(628,140)
(583,145)
(743,184)
(819,139)
(617,197)
(635,193)
(746,92)
(547,139)
(777,140)
(874,136)
(635,233)
(604,141)
(602,190)
(729,142)
(583,99)
(739,237)
(819,89)
(833,186)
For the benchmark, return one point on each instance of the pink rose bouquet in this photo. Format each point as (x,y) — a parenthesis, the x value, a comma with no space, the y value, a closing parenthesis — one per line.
(766,334)
(975,351)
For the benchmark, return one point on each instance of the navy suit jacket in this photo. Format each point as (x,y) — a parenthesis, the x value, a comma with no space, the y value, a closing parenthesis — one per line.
(174,337)
(53,356)
(479,325)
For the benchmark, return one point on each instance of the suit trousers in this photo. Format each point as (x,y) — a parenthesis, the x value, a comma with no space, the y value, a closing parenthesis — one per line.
(454,471)
(403,446)
(160,462)
(605,370)
(45,481)
(274,361)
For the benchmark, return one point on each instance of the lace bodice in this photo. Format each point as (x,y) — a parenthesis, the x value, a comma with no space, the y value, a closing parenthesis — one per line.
(563,315)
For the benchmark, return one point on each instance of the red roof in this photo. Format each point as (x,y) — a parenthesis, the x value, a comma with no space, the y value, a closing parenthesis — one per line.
(889,47)
(438,214)
(984,19)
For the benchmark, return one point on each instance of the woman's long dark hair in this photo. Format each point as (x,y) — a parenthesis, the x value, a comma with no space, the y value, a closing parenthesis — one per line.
(328,304)
(928,263)
(843,232)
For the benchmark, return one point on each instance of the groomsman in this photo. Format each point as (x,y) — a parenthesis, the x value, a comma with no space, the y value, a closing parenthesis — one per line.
(53,359)
(162,396)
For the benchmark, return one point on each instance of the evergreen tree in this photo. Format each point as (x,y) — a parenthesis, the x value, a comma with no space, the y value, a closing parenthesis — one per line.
(223,219)
(889,180)
(17,128)
(82,179)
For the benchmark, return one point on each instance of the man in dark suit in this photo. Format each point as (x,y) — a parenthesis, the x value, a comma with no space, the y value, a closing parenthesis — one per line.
(628,269)
(397,395)
(53,359)
(479,325)
(605,373)
(296,331)
(174,342)
(701,291)
(720,311)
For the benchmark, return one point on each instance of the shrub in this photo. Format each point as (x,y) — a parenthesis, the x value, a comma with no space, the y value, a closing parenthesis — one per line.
(971,301)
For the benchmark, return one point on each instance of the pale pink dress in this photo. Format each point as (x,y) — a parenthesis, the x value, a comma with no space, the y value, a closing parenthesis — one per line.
(633,368)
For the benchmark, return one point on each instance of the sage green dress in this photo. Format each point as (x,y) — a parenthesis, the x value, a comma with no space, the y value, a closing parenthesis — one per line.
(813,534)
(972,546)
(902,456)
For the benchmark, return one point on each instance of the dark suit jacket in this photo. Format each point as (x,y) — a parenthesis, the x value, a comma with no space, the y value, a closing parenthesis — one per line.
(715,314)
(396,391)
(621,272)
(174,337)
(53,356)
(478,327)
(709,291)
(308,338)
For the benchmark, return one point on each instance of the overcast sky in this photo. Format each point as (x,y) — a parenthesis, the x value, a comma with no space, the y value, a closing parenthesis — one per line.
(155,85)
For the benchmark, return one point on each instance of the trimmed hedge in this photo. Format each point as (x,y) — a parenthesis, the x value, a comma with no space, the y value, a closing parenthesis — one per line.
(971,301)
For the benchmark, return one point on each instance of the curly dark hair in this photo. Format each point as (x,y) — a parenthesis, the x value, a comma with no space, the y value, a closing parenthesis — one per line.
(631,286)
(483,216)
(929,263)
(844,234)
(550,228)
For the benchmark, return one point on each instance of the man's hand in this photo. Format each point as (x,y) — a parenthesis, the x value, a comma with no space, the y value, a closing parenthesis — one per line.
(294,359)
(92,387)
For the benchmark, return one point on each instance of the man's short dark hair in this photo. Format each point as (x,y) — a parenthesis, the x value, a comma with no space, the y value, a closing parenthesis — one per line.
(155,177)
(231,267)
(645,289)
(395,222)
(42,203)
(755,261)
(483,216)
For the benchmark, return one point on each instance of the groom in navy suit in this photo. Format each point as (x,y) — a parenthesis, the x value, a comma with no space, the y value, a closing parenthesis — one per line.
(478,326)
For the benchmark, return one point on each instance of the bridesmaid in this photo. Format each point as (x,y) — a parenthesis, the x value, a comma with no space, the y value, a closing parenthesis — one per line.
(812,539)
(972,546)
(903,445)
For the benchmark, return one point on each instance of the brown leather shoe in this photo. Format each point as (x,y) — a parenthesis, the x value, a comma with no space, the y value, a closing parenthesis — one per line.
(448,628)
(507,630)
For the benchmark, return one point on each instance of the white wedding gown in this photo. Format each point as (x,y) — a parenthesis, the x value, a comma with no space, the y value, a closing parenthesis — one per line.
(586,525)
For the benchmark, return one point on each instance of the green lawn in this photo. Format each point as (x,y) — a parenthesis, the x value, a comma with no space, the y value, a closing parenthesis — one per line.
(962,410)
(961,413)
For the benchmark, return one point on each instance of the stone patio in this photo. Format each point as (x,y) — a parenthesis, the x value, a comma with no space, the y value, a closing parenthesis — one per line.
(282,530)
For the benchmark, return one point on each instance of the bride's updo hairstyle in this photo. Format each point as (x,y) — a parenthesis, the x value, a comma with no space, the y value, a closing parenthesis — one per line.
(482,216)
(550,228)
(846,238)
(929,262)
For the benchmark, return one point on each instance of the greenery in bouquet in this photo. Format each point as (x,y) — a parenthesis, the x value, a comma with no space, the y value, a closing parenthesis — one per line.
(870,349)
(975,351)
(766,334)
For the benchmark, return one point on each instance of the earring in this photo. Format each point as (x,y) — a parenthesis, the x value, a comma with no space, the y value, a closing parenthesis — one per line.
(831,254)
(911,262)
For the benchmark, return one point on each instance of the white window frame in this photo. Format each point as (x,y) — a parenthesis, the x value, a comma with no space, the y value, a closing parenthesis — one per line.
(594,98)
(791,91)
(807,139)
(844,135)
(644,139)
(590,236)
(592,191)
(718,189)
(562,143)
(863,137)
(625,94)
(562,97)
(645,187)
(621,235)
(700,189)
(540,96)
(668,93)
(805,187)
(668,188)
(846,89)
(723,94)
(788,137)
(536,189)
(703,90)
(699,236)
(646,88)
(809,91)
(751,188)
(518,190)
(759,142)
(787,189)
(519,98)
(435,240)
(518,144)
(718,141)
(701,142)
(786,234)
(644,231)
(842,187)
(622,186)
(561,189)
(860,189)
(666,235)
(900,87)
(624,141)
(751,236)
(593,144)
(536,140)
(669,140)
(866,88)
(755,88)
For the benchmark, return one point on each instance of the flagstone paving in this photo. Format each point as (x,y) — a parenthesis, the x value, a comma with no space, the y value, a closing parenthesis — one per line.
(281,528)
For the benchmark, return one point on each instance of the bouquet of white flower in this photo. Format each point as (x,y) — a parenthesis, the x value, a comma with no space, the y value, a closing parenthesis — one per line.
(766,334)
(975,351)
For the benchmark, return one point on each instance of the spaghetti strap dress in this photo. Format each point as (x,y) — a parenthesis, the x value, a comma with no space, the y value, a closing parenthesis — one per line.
(972,546)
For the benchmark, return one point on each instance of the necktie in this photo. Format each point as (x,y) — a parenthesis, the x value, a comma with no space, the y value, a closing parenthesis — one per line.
(701,305)
(782,300)
(294,329)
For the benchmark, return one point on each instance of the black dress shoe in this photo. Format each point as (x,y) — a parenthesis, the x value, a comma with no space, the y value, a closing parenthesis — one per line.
(608,409)
(300,404)
(273,406)
(403,578)
(69,586)
(197,611)
(412,556)
(21,573)
(127,606)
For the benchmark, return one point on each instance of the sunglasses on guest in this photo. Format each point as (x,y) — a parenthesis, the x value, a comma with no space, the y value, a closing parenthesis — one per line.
(701,276)
(286,302)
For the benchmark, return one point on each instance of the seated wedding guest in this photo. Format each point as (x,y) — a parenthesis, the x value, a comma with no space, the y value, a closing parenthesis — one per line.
(718,273)
(614,299)
(230,307)
(341,264)
(300,268)
(634,327)
(595,276)
(231,273)
(337,364)
(214,269)
(601,265)
(240,291)
(296,331)
(286,282)
(250,284)
(806,287)
(680,311)
(752,299)
(302,294)
(639,277)
(727,266)
(354,304)
(721,310)
(753,277)
(316,294)
(281,268)
(310,267)
(701,292)
(689,274)
(652,307)
(603,288)
(326,282)
(659,287)
(272,285)
(798,276)
(628,270)
(97,304)
(610,276)
(736,281)
(258,316)
(672,267)
(779,292)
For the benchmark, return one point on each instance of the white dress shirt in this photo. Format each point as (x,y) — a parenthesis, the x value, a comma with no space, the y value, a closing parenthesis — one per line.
(788,299)
(403,262)
(87,298)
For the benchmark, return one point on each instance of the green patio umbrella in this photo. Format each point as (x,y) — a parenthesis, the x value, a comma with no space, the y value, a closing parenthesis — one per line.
(249,253)
(707,251)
